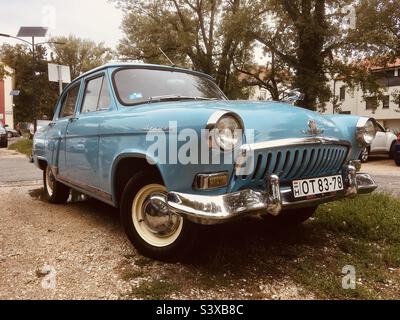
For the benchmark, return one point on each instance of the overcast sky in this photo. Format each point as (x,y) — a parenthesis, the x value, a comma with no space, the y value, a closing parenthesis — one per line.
(93,19)
(98,20)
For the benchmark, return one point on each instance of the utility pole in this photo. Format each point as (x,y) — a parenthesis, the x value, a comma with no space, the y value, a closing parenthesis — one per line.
(34,85)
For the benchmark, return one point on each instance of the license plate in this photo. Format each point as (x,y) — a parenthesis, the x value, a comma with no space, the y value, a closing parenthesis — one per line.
(317,186)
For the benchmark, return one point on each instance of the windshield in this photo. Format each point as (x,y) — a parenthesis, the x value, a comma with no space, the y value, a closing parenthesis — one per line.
(136,86)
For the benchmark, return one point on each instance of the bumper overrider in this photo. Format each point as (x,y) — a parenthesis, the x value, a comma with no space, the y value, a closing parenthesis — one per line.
(275,199)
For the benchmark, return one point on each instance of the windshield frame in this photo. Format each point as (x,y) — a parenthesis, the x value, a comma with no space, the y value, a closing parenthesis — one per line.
(161,68)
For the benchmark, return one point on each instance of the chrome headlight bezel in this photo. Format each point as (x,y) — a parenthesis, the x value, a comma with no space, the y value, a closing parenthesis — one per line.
(219,135)
(365,131)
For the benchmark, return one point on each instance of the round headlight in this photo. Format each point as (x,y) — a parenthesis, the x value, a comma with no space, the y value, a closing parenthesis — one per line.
(228,132)
(366,133)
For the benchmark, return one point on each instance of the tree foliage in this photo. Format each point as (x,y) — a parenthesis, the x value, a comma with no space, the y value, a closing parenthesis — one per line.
(378,29)
(80,55)
(19,58)
(207,35)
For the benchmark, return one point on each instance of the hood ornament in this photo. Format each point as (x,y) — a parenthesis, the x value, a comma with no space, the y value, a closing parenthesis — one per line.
(313,131)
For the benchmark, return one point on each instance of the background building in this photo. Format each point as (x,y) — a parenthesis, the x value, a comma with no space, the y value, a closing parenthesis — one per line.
(6,100)
(386,110)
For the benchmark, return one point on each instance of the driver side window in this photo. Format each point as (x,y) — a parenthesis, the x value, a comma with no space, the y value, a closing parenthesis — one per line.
(69,102)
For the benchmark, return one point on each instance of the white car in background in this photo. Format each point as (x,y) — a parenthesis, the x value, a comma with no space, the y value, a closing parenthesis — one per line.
(384,143)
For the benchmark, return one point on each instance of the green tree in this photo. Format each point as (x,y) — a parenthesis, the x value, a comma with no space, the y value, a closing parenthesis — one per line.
(378,29)
(19,58)
(207,35)
(80,55)
(306,36)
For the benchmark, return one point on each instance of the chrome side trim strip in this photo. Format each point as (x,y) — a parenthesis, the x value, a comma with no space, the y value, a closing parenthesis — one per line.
(295,142)
(91,191)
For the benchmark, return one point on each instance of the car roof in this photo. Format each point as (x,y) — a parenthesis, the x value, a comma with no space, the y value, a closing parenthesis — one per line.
(143,66)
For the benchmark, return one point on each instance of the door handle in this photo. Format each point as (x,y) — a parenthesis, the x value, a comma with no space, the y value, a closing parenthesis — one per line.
(52,124)
(73,119)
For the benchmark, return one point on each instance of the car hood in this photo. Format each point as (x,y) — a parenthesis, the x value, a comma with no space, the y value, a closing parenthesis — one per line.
(269,120)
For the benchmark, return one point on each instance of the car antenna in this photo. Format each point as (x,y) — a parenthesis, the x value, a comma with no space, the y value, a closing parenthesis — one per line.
(165,55)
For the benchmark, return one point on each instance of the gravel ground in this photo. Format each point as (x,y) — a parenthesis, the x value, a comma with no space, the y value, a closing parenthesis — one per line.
(85,244)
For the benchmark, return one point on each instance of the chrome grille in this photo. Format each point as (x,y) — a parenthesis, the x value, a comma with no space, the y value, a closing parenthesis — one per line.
(298,163)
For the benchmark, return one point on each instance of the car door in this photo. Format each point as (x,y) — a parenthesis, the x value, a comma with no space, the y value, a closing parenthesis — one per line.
(379,143)
(82,136)
(55,136)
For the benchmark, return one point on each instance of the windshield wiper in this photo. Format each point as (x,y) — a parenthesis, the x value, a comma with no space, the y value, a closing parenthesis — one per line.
(177,97)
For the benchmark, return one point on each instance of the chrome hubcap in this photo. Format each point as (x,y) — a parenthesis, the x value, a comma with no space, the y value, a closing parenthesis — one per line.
(152,219)
(156,216)
(50,180)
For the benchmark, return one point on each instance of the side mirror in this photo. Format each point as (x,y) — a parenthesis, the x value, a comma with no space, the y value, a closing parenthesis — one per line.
(387,130)
(294,95)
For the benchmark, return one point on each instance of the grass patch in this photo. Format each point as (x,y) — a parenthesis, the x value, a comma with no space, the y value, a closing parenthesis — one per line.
(155,290)
(366,235)
(374,217)
(23,146)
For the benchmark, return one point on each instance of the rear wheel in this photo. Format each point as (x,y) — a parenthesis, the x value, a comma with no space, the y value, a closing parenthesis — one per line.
(150,226)
(293,217)
(55,191)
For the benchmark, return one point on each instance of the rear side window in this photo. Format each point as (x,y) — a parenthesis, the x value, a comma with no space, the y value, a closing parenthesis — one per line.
(69,102)
(96,95)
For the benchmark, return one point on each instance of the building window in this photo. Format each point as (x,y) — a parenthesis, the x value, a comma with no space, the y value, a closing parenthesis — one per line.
(371,103)
(386,102)
(342,93)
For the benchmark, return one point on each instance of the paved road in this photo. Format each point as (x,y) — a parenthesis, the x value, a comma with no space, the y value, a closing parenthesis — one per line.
(15,169)
(385,173)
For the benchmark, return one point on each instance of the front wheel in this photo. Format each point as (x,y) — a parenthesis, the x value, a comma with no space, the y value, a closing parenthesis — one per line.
(55,191)
(292,217)
(150,226)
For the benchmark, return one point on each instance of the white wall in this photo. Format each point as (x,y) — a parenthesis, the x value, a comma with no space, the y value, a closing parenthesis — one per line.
(355,103)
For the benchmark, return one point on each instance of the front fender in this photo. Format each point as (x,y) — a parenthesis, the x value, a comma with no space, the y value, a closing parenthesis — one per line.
(348,126)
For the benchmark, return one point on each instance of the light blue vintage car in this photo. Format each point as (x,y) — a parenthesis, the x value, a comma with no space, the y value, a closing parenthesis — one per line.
(165,146)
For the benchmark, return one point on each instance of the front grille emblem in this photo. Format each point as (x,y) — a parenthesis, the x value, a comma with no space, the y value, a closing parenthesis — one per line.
(313,131)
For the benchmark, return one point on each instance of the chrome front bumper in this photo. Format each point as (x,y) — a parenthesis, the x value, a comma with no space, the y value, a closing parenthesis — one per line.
(217,209)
